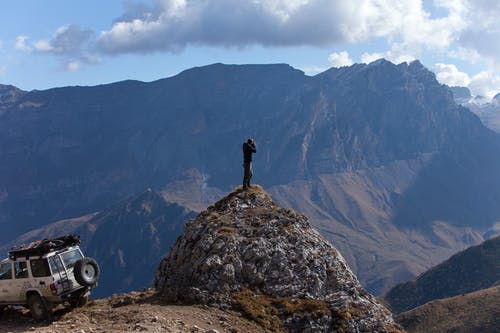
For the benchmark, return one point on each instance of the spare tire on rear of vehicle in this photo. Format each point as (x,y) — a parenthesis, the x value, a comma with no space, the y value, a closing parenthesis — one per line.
(86,271)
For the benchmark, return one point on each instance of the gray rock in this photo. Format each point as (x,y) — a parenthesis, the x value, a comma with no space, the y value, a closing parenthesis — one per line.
(245,248)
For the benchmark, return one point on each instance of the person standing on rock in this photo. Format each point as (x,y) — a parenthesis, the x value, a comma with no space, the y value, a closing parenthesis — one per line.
(248,149)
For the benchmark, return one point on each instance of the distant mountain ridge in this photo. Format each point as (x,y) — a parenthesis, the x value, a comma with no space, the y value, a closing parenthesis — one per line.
(487,109)
(380,157)
(476,312)
(8,96)
(474,269)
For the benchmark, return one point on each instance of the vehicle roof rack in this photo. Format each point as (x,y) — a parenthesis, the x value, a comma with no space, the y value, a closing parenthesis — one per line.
(43,246)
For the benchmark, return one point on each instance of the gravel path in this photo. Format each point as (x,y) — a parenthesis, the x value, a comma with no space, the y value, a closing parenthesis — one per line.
(134,312)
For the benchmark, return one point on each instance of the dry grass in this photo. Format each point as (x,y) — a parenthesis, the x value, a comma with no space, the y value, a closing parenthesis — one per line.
(475,312)
(268,311)
(226,231)
(260,309)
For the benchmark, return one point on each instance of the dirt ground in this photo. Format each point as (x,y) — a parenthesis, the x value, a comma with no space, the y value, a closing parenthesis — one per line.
(134,312)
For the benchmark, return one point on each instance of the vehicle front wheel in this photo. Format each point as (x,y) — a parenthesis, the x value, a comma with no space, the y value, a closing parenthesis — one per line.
(38,307)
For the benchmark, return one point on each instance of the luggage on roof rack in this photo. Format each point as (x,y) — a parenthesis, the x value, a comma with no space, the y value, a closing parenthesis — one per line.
(43,246)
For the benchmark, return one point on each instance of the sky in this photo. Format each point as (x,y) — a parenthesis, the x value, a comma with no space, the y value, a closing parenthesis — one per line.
(53,43)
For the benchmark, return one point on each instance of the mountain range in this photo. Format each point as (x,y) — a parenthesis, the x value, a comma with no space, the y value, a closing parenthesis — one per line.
(380,157)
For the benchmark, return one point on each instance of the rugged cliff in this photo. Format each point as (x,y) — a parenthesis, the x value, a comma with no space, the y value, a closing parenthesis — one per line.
(247,253)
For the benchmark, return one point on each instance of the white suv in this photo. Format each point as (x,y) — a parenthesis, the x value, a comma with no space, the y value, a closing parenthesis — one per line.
(47,272)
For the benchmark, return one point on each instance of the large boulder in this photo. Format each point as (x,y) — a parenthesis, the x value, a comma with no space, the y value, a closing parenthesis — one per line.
(247,253)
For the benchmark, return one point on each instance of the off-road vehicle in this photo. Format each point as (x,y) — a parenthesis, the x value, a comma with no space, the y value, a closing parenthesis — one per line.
(46,273)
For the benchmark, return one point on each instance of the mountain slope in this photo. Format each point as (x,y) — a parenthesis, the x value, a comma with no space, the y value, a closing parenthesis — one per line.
(474,312)
(379,156)
(473,269)
(127,239)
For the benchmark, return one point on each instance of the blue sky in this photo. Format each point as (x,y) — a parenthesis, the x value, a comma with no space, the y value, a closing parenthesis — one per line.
(51,43)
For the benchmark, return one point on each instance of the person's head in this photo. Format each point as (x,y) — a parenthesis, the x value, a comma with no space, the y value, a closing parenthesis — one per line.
(250,141)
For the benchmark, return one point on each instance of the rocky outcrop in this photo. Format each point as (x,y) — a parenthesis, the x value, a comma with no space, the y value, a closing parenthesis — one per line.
(247,253)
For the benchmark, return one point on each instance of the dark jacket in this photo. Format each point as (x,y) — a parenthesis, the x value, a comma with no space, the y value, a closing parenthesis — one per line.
(248,150)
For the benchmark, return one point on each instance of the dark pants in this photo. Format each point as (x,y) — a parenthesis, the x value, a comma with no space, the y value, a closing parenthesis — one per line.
(247,174)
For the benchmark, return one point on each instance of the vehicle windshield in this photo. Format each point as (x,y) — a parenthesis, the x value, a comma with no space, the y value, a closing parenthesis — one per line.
(70,258)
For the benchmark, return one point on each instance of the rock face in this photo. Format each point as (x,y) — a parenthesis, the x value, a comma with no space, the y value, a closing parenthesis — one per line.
(247,253)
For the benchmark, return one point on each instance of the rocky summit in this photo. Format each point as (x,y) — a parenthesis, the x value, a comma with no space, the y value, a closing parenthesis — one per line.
(248,254)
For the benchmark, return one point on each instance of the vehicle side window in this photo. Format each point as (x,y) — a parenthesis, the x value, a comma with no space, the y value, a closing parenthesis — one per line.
(5,271)
(56,264)
(39,267)
(21,269)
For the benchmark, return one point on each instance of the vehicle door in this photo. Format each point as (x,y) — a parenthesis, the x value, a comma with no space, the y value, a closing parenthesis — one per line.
(21,282)
(6,283)
(59,274)
(69,259)
(40,276)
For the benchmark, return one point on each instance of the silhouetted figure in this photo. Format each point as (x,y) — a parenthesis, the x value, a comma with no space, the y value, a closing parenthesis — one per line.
(248,150)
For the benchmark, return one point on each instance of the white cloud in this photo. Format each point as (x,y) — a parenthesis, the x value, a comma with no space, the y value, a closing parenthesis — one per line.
(43,45)
(170,25)
(21,43)
(450,75)
(72,44)
(73,66)
(67,40)
(478,41)
(485,83)
(469,55)
(340,59)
